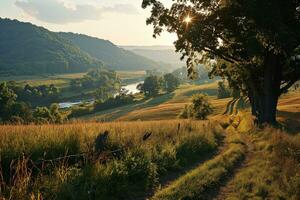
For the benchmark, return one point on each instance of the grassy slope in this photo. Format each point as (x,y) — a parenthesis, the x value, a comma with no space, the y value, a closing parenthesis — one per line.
(166,106)
(170,105)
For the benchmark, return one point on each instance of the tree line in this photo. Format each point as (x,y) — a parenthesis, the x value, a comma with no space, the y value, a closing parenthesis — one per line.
(153,84)
(13,110)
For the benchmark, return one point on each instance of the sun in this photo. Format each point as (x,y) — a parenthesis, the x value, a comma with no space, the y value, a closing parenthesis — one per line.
(187,19)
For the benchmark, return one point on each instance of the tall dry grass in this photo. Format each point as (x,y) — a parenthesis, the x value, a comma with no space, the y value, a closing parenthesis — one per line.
(62,162)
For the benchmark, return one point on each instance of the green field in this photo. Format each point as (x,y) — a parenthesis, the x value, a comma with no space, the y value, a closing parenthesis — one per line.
(63,80)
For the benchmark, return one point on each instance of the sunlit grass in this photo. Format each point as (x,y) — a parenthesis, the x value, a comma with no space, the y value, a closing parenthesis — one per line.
(137,168)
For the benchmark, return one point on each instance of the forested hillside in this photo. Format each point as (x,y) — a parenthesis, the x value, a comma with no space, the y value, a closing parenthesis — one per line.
(26,49)
(114,57)
(29,49)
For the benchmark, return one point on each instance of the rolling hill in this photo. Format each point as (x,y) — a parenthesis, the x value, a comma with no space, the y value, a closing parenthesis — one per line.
(28,49)
(114,57)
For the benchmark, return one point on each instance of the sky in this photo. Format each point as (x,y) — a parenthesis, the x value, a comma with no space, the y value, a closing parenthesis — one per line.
(121,21)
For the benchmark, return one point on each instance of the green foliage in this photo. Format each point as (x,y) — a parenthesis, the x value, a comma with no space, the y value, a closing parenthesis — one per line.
(106,81)
(44,115)
(170,82)
(199,109)
(20,113)
(27,49)
(223,91)
(151,86)
(7,99)
(113,102)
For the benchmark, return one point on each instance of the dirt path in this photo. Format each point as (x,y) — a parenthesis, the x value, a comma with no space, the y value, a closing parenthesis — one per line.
(227,186)
(172,176)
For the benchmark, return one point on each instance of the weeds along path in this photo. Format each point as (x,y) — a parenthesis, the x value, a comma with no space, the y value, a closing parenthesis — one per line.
(204,181)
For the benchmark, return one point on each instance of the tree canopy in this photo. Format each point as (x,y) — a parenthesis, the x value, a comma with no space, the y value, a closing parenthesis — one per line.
(254,44)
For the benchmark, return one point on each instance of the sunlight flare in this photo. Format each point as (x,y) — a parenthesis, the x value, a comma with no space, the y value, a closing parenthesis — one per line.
(187,19)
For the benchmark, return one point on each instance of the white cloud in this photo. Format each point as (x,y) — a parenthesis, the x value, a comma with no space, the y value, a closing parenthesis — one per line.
(61,12)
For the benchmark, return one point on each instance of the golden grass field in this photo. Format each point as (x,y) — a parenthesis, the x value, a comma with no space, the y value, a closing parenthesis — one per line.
(28,169)
(170,105)
(224,157)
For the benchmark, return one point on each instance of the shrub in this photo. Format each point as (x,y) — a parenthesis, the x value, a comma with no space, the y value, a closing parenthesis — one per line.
(199,109)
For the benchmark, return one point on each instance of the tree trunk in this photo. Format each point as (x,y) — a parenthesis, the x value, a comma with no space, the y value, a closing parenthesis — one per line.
(264,98)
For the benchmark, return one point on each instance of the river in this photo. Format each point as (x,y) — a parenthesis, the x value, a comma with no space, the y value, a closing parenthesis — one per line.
(131,88)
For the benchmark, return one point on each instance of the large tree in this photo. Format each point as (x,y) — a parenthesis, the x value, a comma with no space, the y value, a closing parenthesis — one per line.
(252,43)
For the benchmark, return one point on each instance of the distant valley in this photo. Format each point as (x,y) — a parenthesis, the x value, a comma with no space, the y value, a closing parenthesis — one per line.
(162,54)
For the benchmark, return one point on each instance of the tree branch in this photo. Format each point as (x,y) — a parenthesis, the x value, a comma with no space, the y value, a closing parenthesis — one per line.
(287,86)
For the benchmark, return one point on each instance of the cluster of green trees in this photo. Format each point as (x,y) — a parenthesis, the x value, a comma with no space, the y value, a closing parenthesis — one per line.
(154,84)
(14,111)
(119,100)
(105,81)
(100,105)
(199,109)
(35,95)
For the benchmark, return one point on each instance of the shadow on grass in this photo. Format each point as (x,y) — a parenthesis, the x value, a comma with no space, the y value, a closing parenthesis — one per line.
(291,121)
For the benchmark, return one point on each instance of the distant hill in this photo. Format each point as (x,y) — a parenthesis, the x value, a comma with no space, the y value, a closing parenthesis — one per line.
(29,49)
(113,56)
(162,54)
(26,49)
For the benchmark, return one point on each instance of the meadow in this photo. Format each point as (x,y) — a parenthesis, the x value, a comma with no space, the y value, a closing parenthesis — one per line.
(147,153)
(71,161)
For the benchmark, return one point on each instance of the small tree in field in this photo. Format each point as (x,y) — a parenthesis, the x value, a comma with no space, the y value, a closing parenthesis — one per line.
(199,109)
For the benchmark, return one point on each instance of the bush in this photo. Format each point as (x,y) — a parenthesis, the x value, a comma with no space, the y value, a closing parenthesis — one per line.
(199,109)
